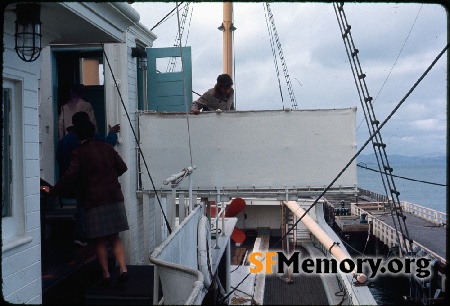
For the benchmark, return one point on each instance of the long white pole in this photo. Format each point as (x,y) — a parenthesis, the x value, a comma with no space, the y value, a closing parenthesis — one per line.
(323,237)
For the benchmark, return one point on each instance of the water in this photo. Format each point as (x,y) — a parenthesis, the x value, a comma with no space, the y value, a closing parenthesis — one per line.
(390,290)
(431,196)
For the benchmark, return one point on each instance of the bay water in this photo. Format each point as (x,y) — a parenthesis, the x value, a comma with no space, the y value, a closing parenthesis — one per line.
(429,193)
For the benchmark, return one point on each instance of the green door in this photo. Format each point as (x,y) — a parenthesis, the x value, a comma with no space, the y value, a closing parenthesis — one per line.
(166,91)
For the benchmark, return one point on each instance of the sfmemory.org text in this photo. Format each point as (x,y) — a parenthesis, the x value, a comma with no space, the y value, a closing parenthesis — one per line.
(264,262)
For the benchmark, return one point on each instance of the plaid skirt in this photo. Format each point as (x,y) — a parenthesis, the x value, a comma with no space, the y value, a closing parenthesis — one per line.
(106,220)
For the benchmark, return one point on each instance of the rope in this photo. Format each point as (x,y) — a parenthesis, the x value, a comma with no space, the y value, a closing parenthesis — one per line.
(334,243)
(136,139)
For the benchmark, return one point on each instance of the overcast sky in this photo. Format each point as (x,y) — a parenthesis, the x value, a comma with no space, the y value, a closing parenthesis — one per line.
(397,43)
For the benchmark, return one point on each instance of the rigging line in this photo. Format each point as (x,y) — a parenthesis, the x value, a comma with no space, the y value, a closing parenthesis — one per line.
(368,140)
(165,18)
(395,209)
(136,139)
(354,69)
(395,63)
(184,86)
(189,26)
(402,177)
(273,53)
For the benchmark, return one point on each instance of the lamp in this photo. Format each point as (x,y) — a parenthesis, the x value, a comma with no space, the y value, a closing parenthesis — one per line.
(28,31)
(142,57)
(231,29)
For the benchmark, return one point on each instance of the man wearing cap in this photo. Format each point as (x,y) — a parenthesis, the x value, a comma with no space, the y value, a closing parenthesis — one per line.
(221,97)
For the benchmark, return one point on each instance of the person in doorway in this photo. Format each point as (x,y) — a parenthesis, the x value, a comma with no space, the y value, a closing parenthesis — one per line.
(73,105)
(65,147)
(94,169)
(221,97)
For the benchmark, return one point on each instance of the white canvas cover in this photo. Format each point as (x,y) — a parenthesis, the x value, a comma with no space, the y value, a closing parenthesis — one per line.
(246,149)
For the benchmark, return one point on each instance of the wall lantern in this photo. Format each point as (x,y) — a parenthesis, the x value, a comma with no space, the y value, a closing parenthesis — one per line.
(28,31)
(142,57)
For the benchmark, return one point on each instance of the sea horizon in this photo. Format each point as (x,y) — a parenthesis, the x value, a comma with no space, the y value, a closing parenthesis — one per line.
(418,179)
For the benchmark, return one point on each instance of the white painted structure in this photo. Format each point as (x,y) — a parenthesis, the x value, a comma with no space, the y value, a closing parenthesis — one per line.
(30,89)
(246,149)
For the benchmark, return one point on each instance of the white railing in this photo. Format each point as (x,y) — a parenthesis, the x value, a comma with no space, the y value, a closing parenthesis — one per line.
(387,234)
(437,217)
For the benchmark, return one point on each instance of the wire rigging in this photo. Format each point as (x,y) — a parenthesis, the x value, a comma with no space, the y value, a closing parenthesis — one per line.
(395,62)
(184,85)
(165,18)
(274,54)
(372,124)
(368,140)
(364,166)
(276,40)
(171,65)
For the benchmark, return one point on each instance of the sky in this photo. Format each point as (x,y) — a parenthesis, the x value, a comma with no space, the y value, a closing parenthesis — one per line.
(396,42)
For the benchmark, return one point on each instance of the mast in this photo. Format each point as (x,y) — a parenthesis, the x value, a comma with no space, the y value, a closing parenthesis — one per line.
(227,28)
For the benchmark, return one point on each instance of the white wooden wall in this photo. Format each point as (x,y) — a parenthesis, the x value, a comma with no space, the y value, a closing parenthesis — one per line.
(21,266)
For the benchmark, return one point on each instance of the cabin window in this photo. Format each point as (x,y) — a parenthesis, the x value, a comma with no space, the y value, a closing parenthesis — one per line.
(13,216)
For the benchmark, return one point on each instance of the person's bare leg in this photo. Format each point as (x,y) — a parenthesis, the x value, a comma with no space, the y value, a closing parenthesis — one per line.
(102,256)
(119,251)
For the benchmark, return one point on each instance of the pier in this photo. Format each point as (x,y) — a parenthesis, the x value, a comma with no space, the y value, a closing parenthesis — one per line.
(370,213)
(427,227)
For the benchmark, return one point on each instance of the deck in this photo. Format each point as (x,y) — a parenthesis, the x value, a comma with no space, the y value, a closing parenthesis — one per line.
(69,272)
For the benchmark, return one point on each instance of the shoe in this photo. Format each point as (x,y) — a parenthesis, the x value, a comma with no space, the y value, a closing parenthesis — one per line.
(106,282)
(80,243)
(123,277)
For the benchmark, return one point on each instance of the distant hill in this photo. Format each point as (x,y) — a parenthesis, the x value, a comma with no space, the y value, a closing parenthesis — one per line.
(404,160)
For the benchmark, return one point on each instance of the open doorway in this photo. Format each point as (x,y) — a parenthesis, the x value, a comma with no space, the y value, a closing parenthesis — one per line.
(61,257)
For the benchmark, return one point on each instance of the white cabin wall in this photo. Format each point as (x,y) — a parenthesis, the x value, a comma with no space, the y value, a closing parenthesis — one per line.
(124,67)
(135,236)
(116,60)
(21,266)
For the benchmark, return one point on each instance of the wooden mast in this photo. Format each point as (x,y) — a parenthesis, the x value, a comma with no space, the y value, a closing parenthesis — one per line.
(227,38)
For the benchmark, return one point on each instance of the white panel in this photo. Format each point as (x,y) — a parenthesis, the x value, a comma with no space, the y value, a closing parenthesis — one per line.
(265,149)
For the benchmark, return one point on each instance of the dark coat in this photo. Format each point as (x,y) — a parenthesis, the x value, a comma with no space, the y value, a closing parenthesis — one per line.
(94,170)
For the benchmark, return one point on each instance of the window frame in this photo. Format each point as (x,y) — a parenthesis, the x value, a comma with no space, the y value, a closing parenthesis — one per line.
(13,227)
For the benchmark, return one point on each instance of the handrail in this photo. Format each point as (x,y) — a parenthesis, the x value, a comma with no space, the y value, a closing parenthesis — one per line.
(169,263)
(426,213)
(386,233)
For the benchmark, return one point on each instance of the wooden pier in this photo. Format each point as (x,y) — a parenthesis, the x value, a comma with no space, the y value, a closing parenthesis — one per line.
(427,227)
